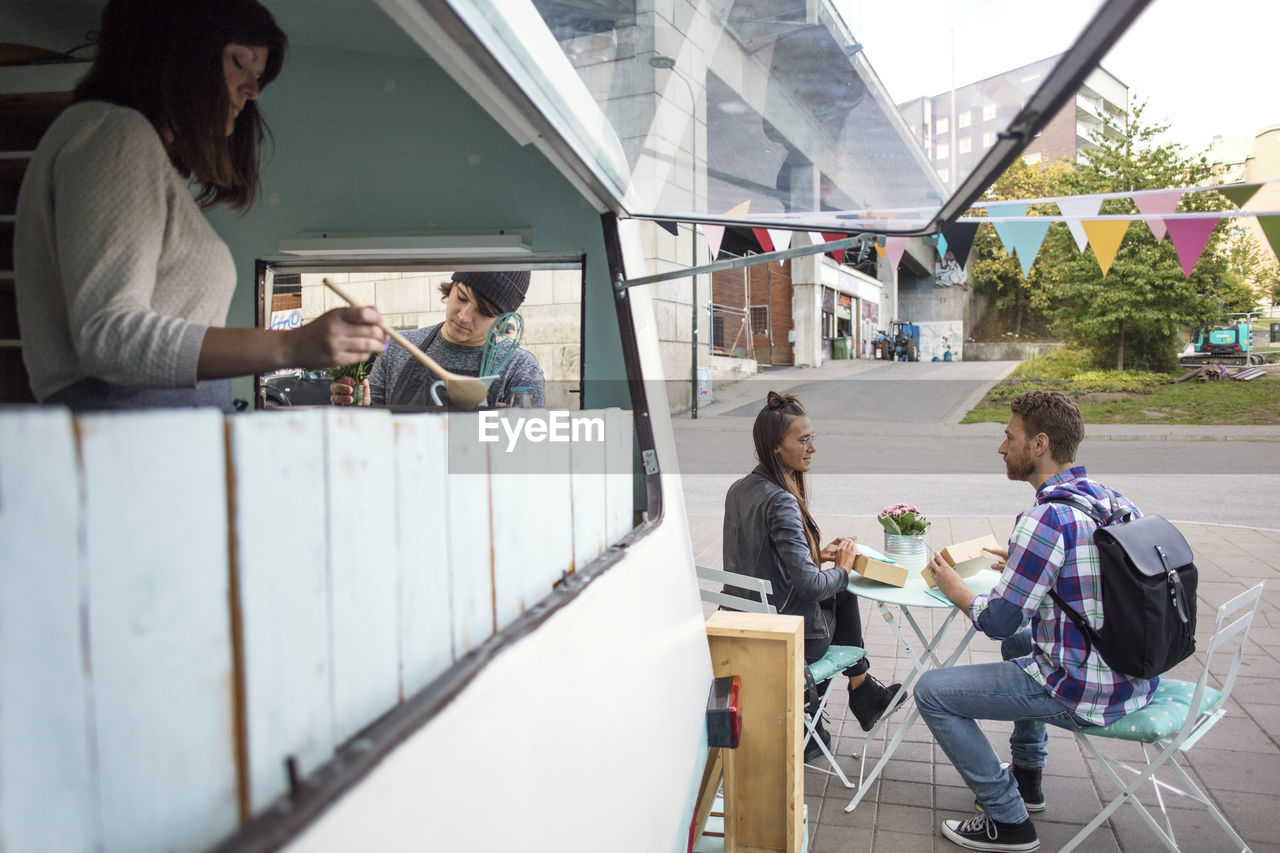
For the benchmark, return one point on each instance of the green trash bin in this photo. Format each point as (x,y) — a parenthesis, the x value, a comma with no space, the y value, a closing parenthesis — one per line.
(840,348)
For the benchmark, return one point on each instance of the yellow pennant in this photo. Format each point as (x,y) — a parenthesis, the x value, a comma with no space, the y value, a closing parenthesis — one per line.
(1105,236)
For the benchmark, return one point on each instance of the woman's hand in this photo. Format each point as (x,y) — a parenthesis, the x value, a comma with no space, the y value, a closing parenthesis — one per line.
(842,551)
(828,553)
(336,338)
(999,564)
(342,391)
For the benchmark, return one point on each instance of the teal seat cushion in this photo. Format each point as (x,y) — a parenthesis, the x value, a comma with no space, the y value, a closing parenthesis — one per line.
(835,661)
(1163,716)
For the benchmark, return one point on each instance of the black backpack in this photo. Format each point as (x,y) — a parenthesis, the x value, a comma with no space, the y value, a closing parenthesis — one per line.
(1148,592)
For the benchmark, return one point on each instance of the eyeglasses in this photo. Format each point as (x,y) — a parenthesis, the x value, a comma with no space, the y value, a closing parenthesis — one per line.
(807,440)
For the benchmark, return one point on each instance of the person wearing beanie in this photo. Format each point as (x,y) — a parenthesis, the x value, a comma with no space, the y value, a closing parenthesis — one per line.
(473,301)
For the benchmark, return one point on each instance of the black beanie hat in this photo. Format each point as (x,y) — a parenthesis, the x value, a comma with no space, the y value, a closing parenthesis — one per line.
(506,290)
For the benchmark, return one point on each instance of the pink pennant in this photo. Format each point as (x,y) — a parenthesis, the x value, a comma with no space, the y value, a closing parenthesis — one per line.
(1189,237)
(895,246)
(1165,201)
(714,235)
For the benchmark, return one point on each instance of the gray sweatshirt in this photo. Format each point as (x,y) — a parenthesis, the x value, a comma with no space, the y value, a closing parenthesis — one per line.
(398,379)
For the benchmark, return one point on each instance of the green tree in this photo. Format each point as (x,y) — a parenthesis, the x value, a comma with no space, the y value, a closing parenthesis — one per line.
(1132,316)
(994,272)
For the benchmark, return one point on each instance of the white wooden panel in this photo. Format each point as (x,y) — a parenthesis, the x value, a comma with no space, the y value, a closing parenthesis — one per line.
(363,578)
(590,509)
(155,486)
(619,497)
(532,508)
(470,562)
(46,778)
(280,550)
(422,536)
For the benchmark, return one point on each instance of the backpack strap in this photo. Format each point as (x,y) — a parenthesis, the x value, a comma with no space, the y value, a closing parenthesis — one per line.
(1090,635)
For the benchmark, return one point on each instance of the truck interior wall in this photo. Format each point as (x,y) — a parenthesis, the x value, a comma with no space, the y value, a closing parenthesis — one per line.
(387,143)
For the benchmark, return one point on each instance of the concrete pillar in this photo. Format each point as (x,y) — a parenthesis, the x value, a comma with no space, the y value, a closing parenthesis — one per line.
(806,309)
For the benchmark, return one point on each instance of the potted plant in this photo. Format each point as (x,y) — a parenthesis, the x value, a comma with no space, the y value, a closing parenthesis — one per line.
(906,536)
(358,372)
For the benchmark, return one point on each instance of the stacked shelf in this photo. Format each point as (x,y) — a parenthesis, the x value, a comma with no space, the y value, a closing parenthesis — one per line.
(31,97)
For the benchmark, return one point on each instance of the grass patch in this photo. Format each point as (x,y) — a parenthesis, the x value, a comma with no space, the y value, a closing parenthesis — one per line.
(1132,396)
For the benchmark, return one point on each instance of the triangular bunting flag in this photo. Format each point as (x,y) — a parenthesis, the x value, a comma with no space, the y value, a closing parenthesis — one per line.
(781,238)
(894,247)
(838,254)
(960,240)
(1105,235)
(668,226)
(1271,227)
(942,247)
(763,238)
(1240,194)
(1161,202)
(1189,237)
(1025,238)
(1076,208)
(715,233)
(995,211)
(879,250)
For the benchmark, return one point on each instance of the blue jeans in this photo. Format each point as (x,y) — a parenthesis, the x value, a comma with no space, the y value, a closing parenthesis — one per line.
(950,700)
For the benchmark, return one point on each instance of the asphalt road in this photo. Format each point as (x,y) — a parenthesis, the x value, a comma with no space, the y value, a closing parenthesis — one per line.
(889,432)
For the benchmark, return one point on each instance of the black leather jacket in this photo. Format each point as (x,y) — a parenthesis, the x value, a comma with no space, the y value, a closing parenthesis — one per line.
(764,538)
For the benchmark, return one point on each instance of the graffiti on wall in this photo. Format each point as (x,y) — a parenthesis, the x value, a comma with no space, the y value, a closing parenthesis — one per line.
(870,310)
(948,273)
(936,339)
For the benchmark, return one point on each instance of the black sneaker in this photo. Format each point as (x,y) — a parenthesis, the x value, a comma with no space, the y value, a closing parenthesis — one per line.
(812,750)
(980,832)
(1028,779)
(871,701)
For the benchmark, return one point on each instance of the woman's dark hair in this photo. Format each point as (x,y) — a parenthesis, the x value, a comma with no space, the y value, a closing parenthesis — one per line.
(163,58)
(486,307)
(771,426)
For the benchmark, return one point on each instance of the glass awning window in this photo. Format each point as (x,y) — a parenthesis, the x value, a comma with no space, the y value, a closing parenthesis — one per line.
(775,112)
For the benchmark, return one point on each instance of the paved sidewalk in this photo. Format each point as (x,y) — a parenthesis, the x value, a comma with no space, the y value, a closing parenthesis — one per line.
(1239,761)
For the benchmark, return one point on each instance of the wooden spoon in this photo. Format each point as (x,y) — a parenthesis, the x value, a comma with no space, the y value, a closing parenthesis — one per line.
(465,392)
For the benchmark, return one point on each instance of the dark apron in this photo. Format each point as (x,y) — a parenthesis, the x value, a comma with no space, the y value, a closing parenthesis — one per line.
(95,395)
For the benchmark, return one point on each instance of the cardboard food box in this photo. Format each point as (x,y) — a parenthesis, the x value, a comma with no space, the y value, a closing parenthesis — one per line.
(875,566)
(967,557)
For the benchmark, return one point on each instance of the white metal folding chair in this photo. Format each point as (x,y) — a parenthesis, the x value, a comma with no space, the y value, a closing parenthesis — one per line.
(1177,717)
(831,664)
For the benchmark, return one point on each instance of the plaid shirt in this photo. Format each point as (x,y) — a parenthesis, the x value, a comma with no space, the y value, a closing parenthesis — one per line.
(1052,547)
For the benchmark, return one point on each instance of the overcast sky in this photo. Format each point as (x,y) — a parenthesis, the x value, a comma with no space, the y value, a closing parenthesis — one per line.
(1206,69)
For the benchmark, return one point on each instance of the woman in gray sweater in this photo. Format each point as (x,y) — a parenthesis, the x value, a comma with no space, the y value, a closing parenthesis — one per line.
(122,285)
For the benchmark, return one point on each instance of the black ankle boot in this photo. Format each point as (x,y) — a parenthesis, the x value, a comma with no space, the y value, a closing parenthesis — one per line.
(812,750)
(870,701)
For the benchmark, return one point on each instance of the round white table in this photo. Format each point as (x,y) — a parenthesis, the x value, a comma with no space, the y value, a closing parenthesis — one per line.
(915,594)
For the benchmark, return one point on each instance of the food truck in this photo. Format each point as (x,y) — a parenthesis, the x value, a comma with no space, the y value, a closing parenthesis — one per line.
(323,628)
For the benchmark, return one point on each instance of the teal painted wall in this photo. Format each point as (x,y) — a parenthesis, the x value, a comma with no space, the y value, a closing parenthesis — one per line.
(386,142)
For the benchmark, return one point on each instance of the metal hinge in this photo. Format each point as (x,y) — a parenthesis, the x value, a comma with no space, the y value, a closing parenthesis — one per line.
(650,459)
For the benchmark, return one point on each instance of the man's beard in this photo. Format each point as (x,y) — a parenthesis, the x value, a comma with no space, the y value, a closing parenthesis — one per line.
(1019,467)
